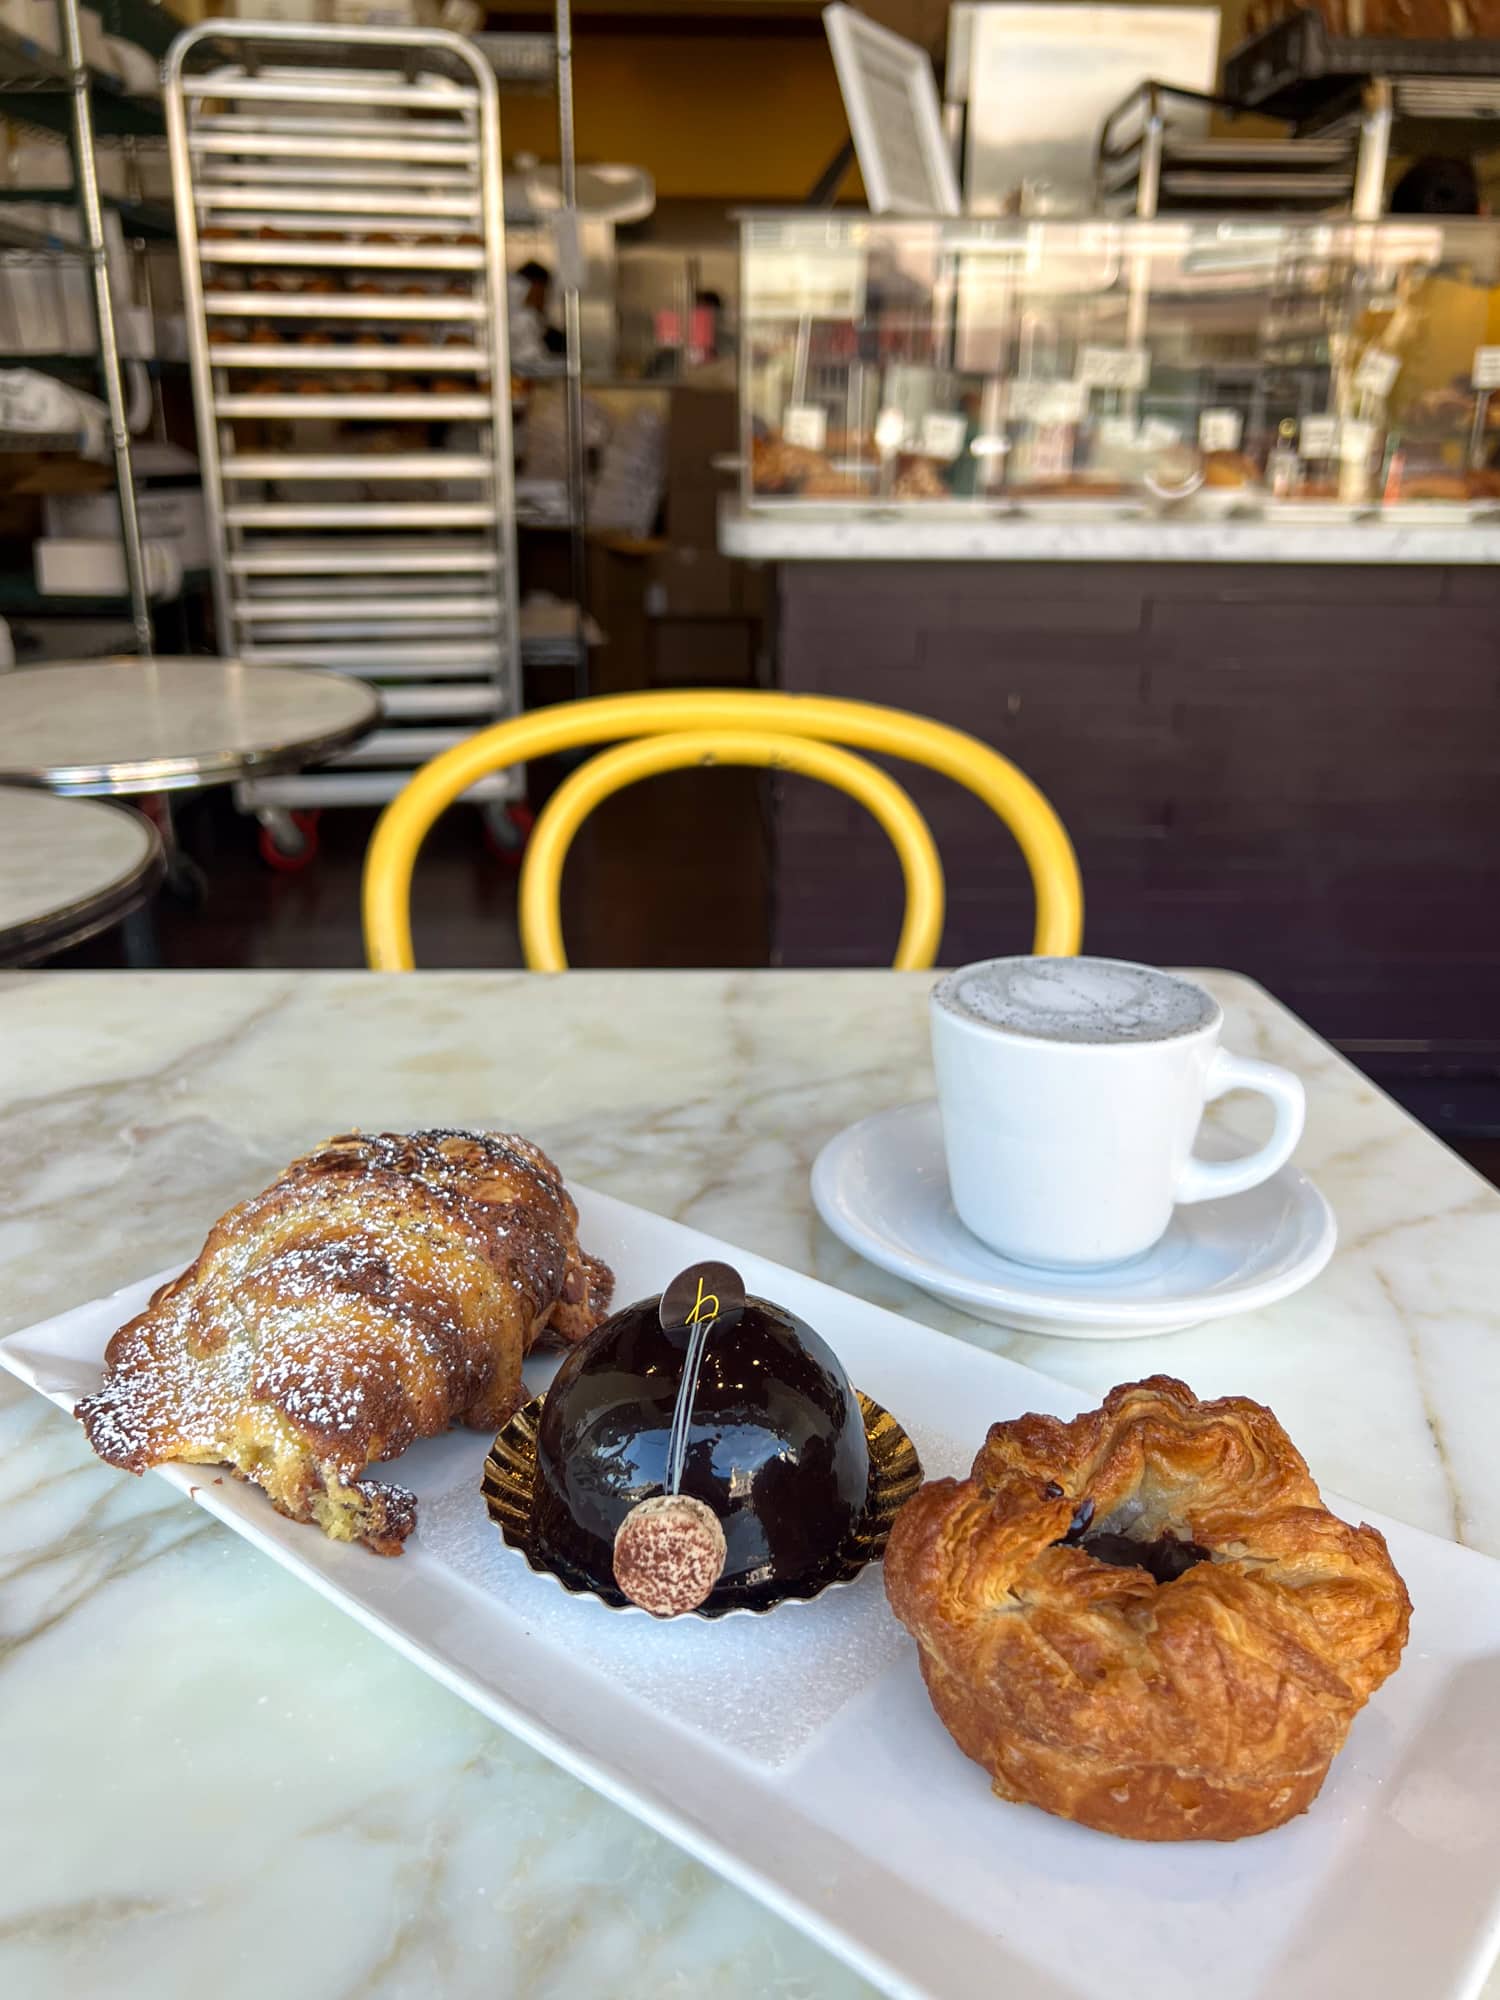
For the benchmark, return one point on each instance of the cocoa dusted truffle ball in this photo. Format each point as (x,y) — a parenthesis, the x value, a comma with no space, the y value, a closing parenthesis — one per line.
(669,1554)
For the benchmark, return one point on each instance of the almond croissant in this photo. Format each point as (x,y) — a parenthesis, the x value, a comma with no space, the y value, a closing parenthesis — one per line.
(382,1289)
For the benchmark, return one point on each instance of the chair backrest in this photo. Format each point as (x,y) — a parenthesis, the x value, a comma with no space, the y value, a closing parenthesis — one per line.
(593,782)
(725,715)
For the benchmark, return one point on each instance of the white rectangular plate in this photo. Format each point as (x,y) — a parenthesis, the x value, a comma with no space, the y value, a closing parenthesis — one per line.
(798,1754)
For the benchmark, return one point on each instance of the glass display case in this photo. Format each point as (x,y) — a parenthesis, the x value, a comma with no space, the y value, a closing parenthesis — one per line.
(1205,366)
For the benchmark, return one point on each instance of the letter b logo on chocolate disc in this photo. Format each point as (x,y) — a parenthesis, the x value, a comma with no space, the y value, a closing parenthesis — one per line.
(701,1293)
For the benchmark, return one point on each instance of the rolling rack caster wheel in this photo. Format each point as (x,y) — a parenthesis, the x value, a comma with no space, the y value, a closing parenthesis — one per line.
(507,828)
(288,840)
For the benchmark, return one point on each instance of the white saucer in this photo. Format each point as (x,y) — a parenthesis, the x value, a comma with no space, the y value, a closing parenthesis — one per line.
(882,1188)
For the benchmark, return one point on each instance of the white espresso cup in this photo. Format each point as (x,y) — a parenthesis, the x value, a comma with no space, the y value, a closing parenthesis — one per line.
(1071,1091)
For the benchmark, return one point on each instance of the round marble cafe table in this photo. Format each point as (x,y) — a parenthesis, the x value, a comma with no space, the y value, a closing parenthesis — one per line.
(124,725)
(68,868)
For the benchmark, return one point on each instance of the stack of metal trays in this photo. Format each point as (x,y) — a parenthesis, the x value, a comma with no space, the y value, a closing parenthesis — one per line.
(341,219)
(1148,166)
(1299,69)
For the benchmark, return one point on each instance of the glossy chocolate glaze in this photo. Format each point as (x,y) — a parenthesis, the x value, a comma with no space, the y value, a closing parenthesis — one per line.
(776,1448)
(1165,1557)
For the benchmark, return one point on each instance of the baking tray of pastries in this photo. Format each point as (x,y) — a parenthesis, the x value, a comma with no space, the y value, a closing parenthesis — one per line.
(1172,1744)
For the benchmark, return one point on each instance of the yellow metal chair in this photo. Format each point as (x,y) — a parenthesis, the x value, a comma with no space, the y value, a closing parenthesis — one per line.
(791,732)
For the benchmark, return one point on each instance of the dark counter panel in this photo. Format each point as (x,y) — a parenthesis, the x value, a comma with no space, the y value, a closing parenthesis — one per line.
(1291,771)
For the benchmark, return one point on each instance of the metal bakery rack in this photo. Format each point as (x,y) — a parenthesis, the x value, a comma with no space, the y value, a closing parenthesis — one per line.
(341,222)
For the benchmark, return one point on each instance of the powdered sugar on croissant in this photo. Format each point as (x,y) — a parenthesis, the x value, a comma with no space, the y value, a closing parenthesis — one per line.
(383,1288)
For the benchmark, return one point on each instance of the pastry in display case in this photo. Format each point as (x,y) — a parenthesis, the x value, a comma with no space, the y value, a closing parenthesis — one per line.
(1220,367)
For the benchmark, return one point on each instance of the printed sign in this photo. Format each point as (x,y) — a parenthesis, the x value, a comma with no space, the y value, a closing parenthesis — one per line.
(1356,441)
(1487,367)
(1050,454)
(1220,430)
(1157,433)
(1114,367)
(1319,436)
(805,424)
(890,429)
(1377,372)
(1117,433)
(1048,402)
(943,434)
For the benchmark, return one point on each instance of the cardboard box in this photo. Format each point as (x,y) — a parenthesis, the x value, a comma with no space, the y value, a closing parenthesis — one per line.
(170,514)
(75,568)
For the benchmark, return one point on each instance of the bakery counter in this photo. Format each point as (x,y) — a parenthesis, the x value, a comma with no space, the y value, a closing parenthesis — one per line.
(804,533)
(1283,760)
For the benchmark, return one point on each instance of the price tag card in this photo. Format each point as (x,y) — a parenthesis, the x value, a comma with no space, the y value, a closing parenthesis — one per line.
(1377,372)
(890,429)
(943,434)
(1356,442)
(1487,367)
(1114,367)
(1220,430)
(1051,455)
(1319,436)
(1117,433)
(1049,402)
(1157,433)
(805,424)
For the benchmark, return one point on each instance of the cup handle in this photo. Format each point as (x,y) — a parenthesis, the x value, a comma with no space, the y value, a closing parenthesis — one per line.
(1207,1180)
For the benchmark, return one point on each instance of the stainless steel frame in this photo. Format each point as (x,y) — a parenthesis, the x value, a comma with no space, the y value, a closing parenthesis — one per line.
(26,72)
(91,213)
(1146,161)
(340,219)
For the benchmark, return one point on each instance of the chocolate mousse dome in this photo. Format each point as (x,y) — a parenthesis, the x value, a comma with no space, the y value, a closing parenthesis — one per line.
(774,1445)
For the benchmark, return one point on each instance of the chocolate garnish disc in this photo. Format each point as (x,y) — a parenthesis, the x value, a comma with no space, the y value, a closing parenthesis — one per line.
(704,1297)
(710,1291)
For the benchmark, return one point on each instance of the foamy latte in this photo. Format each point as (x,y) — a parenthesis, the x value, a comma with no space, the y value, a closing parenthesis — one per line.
(1071,1090)
(1100,1000)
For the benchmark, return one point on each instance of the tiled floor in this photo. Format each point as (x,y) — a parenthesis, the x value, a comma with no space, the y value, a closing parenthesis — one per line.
(671,873)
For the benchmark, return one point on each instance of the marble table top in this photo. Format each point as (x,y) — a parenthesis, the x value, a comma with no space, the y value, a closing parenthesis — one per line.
(209,1772)
(129,725)
(67,868)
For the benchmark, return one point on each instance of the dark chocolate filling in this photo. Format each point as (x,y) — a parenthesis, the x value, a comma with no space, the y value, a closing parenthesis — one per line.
(1166,1558)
